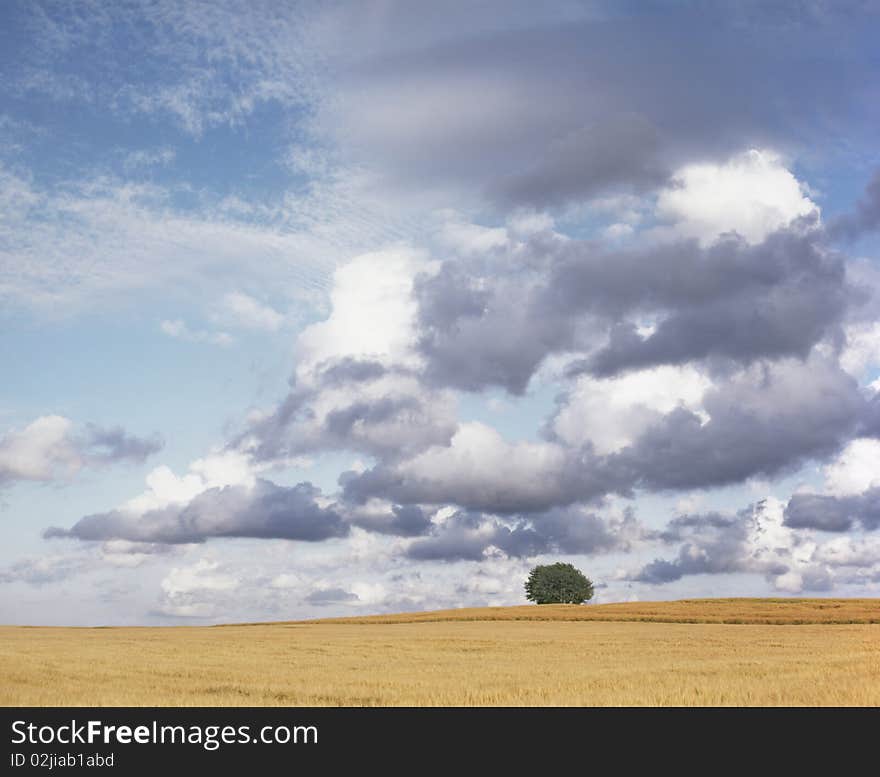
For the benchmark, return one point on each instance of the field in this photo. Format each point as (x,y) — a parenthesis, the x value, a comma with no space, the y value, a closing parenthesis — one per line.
(698,652)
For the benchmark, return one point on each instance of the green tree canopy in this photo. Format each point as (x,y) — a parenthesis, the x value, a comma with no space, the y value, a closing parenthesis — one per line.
(558,584)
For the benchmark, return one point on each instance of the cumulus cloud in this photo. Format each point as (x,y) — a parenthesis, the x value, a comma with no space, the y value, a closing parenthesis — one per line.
(834,513)
(752,194)
(782,297)
(372,311)
(218,469)
(754,540)
(353,406)
(493,323)
(610,413)
(110,444)
(384,518)
(855,469)
(481,471)
(862,349)
(325,596)
(41,450)
(766,420)
(762,421)
(355,386)
(264,510)
(472,536)
(197,590)
(52,447)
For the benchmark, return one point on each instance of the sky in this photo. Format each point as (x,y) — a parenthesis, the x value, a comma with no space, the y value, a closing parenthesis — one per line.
(317,309)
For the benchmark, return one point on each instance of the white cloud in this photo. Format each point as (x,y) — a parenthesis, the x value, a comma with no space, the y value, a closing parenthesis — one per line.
(385,410)
(369,593)
(752,194)
(791,582)
(850,551)
(53,447)
(179,330)
(373,314)
(249,313)
(288,580)
(479,462)
(611,412)
(769,543)
(201,576)
(856,469)
(46,568)
(862,349)
(216,470)
(87,240)
(192,591)
(264,56)
(526,223)
(90,238)
(467,238)
(426,416)
(43,450)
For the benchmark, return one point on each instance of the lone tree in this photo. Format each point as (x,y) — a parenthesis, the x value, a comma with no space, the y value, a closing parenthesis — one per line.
(558,584)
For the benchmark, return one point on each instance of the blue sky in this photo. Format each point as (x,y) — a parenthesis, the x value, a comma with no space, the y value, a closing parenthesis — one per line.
(326,308)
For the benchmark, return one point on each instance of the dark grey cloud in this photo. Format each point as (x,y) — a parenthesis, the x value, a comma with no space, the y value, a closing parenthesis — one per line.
(834,513)
(579,476)
(401,421)
(493,324)
(109,444)
(714,544)
(461,539)
(576,531)
(866,216)
(400,520)
(783,318)
(486,326)
(350,370)
(763,422)
(339,423)
(327,596)
(266,511)
(613,151)
(797,411)
(469,535)
(549,111)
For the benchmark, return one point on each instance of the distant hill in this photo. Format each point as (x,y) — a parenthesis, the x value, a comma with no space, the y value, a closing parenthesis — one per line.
(759,611)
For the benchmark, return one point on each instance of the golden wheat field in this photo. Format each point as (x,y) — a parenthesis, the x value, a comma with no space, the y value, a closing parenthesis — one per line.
(778,652)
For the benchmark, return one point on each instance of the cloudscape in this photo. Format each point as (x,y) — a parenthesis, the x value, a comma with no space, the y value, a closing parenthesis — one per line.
(317,309)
